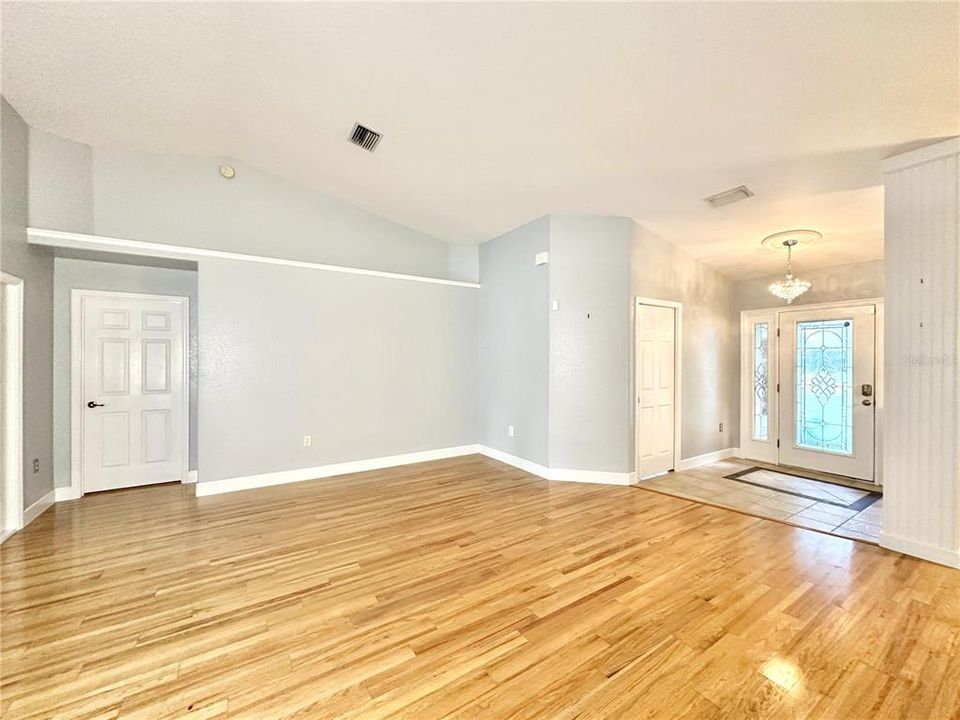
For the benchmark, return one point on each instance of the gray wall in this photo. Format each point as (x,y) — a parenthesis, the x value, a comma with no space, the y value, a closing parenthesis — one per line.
(859,281)
(711,337)
(35,267)
(70,274)
(590,343)
(514,340)
(183,200)
(368,366)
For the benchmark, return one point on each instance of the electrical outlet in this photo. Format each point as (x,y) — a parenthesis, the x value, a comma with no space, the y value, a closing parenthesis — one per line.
(36,465)
(510,430)
(307,440)
(721,427)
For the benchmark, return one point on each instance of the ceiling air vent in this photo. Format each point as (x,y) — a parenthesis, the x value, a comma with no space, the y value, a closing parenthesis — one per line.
(729,196)
(365,137)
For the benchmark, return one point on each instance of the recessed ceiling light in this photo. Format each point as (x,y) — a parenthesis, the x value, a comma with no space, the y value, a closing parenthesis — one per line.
(228,172)
(729,196)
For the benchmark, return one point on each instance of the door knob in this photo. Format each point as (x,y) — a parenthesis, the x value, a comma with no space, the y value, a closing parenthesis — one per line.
(93,404)
(867,401)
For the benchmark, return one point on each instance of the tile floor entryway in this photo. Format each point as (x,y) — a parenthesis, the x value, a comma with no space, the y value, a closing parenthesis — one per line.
(849,512)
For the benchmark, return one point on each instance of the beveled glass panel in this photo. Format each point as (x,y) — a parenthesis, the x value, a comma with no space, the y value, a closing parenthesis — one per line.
(824,385)
(761,423)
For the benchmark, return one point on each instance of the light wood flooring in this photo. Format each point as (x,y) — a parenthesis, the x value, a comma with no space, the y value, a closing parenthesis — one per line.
(809,503)
(463,589)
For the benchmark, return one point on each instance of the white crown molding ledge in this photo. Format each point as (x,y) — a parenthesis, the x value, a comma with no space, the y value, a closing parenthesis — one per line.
(99,243)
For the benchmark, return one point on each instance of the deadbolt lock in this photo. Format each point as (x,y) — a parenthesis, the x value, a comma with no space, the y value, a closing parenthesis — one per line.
(866,390)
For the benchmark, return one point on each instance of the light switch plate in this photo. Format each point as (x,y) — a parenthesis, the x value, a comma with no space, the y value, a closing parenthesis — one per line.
(541,258)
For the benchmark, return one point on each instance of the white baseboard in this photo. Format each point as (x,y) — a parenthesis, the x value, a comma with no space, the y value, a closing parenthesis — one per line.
(707,458)
(192,477)
(559,474)
(38,508)
(943,556)
(248,482)
(66,493)
(517,462)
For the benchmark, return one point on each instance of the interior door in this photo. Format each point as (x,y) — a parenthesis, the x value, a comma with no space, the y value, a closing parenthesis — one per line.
(827,381)
(655,389)
(134,406)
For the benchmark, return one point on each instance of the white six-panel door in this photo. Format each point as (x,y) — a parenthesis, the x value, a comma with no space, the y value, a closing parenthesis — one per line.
(656,385)
(132,376)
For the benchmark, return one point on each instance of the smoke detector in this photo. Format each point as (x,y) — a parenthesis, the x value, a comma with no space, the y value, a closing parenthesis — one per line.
(728,197)
(364,137)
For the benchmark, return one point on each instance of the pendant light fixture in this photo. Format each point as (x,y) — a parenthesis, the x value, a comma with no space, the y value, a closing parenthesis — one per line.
(790,288)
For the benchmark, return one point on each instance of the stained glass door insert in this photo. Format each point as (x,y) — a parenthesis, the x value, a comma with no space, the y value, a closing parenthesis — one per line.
(827,400)
(824,385)
(760,381)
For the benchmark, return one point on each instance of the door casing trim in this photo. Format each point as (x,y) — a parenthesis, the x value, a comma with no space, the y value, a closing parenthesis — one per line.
(11,474)
(77,296)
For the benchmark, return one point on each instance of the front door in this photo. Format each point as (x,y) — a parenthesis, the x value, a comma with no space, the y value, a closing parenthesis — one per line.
(134,406)
(827,390)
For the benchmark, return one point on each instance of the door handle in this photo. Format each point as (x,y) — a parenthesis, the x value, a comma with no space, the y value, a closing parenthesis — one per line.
(93,404)
(867,401)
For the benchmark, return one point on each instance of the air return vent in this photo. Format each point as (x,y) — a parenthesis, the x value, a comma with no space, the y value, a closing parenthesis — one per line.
(729,196)
(365,137)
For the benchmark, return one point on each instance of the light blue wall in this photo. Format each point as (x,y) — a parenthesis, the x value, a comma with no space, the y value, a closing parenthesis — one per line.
(35,267)
(368,366)
(590,341)
(581,414)
(514,339)
(183,200)
(61,183)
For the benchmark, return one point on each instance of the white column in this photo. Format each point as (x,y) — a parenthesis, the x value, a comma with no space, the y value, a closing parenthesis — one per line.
(921,453)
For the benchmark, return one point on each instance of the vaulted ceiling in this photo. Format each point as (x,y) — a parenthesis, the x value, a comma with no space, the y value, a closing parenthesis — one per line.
(493,114)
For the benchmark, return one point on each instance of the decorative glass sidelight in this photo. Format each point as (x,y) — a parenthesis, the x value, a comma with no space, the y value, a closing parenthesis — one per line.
(760,381)
(824,385)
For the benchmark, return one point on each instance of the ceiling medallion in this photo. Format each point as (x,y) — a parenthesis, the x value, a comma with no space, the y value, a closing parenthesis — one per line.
(790,288)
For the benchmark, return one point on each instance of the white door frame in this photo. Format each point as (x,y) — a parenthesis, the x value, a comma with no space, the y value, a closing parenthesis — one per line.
(746,379)
(77,297)
(12,288)
(677,375)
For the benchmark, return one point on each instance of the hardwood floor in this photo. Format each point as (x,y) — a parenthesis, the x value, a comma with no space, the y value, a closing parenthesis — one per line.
(463,588)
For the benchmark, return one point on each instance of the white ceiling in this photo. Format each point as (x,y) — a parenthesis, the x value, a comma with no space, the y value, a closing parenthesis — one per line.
(495,114)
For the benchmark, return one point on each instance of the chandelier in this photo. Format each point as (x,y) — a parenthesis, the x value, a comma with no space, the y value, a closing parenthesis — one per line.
(790,288)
